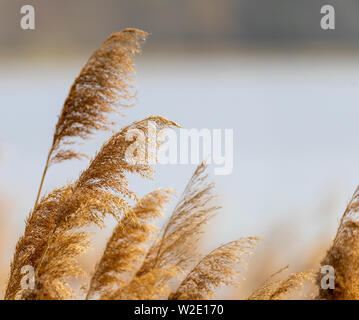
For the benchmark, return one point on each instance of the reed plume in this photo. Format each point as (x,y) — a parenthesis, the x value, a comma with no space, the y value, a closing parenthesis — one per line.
(175,249)
(30,246)
(50,242)
(343,256)
(126,246)
(280,289)
(177,244)
(149,286)
(171,254)
(136,264)
(104,85)
(215,269)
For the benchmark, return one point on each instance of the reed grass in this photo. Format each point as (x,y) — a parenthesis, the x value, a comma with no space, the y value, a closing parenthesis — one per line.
(280,289)
(343,256)
(139,260)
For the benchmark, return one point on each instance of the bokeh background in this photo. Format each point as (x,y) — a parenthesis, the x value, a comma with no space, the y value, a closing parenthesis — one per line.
(262,67)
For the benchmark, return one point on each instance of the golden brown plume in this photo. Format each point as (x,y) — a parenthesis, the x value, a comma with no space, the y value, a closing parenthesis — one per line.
(102,189)
(281,288)
(215,269)
(177,244)
(104,84)
(126,247)
(343,256)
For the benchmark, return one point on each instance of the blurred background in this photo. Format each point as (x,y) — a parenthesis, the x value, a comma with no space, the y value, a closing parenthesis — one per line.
(262,67)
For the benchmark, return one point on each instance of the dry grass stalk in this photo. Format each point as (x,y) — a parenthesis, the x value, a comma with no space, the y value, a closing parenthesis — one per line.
(177,244)
(104,84)
(55,233)
(282,288)
(126,246)
(99,191)
(30,246)
(175,249)
(343,256)
(215,269)
(149,286)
